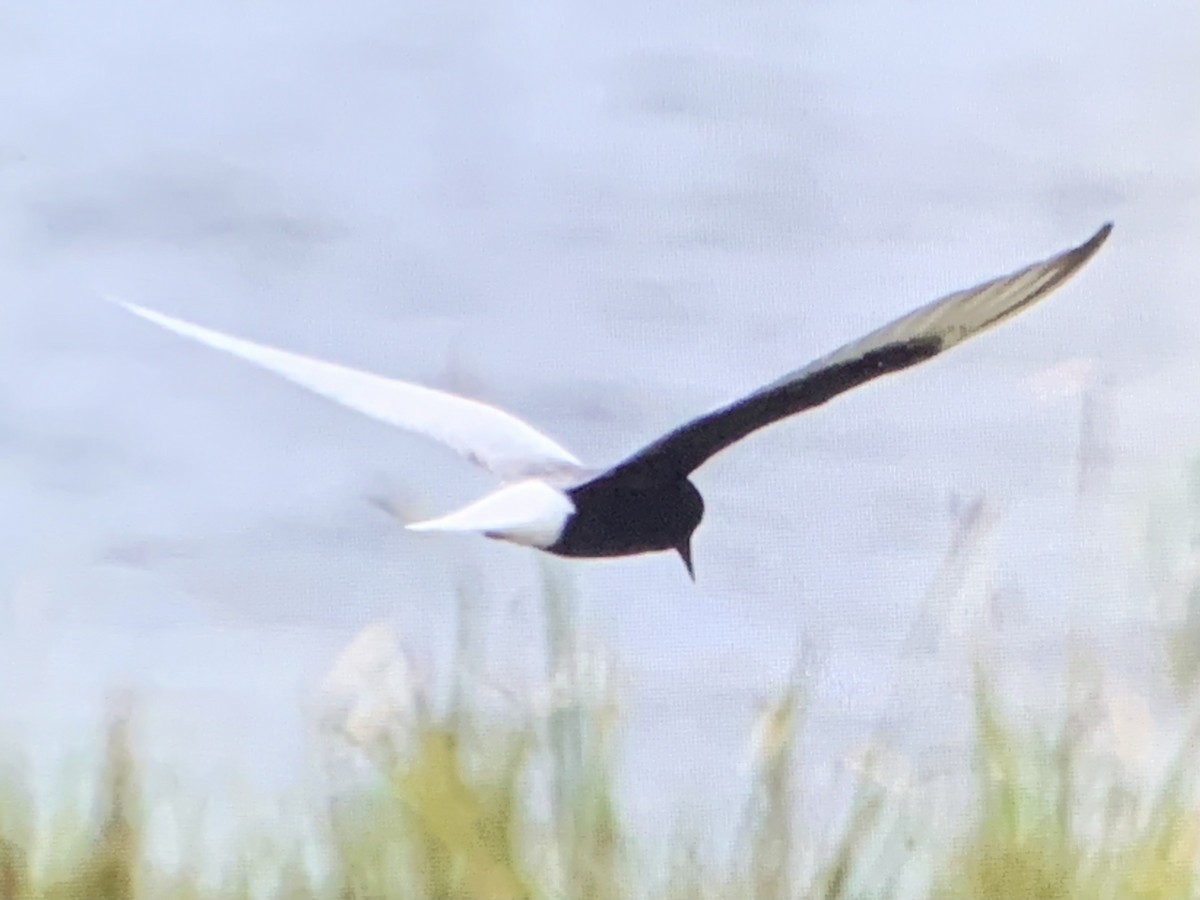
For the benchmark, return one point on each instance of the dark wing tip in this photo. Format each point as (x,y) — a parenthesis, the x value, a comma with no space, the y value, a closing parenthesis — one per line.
(1058,269)
(1071,261)
(1092,244)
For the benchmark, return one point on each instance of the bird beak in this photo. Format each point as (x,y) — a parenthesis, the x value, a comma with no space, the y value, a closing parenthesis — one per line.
(685,553)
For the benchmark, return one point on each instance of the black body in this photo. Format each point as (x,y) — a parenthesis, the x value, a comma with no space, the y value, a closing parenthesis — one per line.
(624,513)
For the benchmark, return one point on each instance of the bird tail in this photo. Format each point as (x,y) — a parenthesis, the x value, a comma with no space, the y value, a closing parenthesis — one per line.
(528,512)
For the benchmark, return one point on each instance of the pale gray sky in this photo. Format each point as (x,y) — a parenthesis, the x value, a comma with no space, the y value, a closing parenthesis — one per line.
(605,217)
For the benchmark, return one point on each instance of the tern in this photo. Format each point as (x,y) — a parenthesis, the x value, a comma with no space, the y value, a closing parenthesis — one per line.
(646,503)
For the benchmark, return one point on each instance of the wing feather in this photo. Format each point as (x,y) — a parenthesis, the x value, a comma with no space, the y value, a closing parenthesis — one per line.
(920,335)
(483,434)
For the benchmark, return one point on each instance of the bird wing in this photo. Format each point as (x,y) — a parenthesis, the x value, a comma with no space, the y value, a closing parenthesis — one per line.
(488,437)
(911,339)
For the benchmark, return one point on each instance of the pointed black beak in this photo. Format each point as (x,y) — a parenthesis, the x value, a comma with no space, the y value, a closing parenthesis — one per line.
(685,553)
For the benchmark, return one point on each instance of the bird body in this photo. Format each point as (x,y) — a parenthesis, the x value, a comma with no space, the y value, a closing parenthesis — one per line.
(647,502)
(655,513)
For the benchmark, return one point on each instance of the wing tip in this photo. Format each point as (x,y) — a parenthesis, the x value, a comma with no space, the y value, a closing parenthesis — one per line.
(130,307)
(1095,242)
(114,300)
(1071,261)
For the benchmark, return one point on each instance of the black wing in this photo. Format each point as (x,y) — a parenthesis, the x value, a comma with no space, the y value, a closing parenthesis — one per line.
(911,339)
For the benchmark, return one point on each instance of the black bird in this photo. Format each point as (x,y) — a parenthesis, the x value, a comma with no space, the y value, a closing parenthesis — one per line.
(647,502)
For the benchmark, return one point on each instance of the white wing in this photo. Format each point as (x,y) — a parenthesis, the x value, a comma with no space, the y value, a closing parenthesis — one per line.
(488,437)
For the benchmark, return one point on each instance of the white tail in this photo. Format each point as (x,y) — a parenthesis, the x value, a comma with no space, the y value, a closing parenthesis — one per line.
(528,512)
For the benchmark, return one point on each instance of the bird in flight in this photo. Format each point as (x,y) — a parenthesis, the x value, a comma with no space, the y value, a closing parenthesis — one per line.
(646,503)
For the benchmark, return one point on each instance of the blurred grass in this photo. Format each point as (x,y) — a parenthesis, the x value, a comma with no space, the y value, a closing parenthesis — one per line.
(1046,827)
(1048,816)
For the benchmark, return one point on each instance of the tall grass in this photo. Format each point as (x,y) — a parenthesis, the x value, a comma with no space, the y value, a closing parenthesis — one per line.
(1049,816)
(1048,822)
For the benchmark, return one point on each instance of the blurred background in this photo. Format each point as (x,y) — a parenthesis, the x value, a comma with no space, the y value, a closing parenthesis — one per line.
(605,217)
